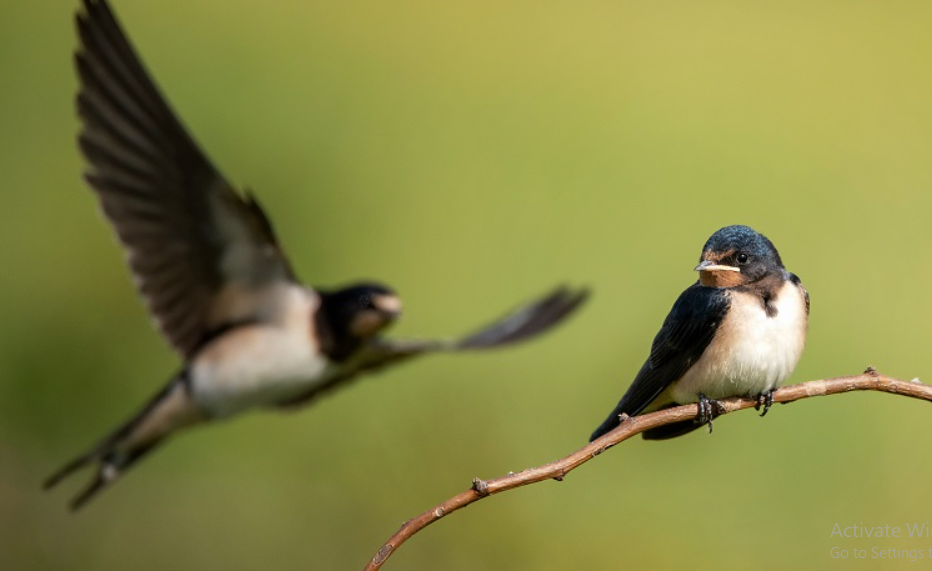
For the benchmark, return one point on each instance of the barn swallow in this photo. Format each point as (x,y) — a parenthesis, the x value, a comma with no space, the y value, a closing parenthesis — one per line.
(215,277)
(739,330)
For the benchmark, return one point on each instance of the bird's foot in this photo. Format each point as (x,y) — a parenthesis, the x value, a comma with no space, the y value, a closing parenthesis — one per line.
(765,399)
(708,410)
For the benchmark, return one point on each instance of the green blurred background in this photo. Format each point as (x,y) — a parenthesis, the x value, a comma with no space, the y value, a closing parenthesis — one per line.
(473,155)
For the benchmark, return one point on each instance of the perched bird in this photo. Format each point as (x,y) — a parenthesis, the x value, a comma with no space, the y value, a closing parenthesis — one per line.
(739,330)
(215,277)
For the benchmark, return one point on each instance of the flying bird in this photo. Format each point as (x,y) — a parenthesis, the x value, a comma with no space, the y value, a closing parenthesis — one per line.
(214,276)
(739,330)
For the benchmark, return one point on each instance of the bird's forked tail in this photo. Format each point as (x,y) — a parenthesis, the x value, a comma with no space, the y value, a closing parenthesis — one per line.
(171,409)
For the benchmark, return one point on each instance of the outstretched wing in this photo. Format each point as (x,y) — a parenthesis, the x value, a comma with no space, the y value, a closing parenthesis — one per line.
(684,336)
(201,255)
(526,322)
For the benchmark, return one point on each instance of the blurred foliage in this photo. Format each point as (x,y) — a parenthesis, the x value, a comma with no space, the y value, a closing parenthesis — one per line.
(472,155)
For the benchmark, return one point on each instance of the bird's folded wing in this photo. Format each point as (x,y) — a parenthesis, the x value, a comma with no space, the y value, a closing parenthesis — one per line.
(201,255)
(686,333)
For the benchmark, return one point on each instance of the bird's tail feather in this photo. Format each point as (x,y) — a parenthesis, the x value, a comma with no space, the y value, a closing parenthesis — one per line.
(673,430)
(664,432)
(69,468)
(116,453)
(111,466)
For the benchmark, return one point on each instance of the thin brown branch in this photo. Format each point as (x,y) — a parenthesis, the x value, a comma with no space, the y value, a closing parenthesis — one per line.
(870,380)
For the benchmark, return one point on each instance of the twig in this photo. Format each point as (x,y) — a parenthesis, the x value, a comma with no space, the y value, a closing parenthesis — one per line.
(870,380)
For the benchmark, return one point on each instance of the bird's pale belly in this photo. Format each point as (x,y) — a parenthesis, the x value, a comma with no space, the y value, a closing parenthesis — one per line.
(254,367)
(751,352)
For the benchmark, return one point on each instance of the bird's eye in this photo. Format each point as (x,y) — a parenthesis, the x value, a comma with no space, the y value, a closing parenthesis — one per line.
(742,258)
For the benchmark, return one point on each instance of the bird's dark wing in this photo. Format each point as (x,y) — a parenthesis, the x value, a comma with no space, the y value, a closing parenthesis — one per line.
(526,322)
(684,336)
(201,255)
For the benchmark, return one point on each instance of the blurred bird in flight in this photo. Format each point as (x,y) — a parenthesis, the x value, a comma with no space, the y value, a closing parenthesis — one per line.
(215,277)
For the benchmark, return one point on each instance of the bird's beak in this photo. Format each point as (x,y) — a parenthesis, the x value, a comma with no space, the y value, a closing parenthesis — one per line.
(710,266)
(388,304)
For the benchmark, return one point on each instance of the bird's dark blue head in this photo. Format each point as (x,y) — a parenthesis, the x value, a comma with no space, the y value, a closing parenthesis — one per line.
(365,308)
(350,316)
(737,255)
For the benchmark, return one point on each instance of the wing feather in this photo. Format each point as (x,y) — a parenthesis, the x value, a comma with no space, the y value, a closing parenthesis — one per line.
(187,232)
(684,336)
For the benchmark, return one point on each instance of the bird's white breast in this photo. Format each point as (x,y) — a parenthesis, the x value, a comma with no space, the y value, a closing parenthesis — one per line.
(751,352)
(264,363)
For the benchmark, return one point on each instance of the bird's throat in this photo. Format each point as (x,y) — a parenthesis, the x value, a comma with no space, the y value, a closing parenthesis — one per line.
(721,278)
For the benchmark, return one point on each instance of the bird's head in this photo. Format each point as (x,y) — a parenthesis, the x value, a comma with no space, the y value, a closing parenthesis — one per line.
(363,310)
(737,255)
